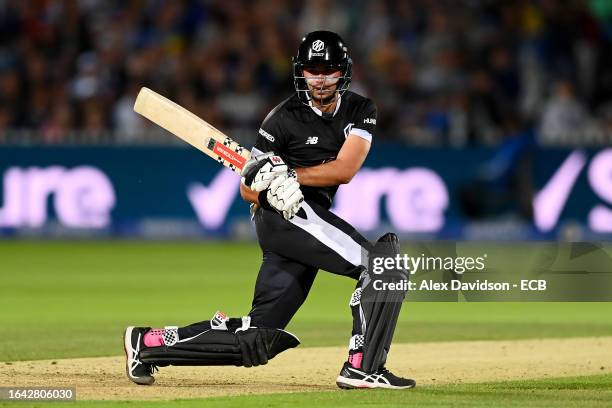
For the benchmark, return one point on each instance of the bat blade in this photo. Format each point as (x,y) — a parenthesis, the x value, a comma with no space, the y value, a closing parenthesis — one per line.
(192,129)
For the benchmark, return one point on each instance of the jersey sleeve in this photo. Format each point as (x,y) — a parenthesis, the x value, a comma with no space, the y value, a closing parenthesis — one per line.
(270,137)
(365,121)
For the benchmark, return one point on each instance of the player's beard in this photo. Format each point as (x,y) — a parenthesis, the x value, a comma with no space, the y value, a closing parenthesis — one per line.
(326,99)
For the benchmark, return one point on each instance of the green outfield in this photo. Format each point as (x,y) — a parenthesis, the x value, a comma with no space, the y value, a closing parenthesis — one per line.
(578,392)
(72,299)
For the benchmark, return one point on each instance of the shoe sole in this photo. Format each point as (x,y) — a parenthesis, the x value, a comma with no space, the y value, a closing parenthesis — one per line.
(351,384)
(127,347)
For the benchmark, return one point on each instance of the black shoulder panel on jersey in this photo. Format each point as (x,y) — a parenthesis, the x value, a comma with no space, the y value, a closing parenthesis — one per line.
(276,109)
(369,104)
(356,99)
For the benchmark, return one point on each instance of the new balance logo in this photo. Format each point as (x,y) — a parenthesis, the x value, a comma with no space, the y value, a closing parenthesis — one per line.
(312,140)
(369,121)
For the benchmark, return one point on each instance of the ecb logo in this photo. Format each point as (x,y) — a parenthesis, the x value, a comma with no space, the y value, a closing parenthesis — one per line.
(318,45)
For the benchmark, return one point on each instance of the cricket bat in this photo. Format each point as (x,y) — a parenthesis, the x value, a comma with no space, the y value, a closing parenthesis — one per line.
(192,129)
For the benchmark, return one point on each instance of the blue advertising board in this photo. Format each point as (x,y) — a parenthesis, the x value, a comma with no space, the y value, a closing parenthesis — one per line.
(437,193)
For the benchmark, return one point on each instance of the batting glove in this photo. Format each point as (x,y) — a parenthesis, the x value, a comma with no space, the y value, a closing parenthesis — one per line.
(259,171)
(283,195)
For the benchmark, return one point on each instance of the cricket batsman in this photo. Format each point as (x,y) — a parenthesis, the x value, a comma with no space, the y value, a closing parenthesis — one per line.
(307,146)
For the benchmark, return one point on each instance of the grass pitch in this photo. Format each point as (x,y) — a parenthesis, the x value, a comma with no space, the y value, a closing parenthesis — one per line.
(72,299)
(578,392)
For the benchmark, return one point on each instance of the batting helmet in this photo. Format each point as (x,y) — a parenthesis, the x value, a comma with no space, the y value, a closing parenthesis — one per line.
(321,48)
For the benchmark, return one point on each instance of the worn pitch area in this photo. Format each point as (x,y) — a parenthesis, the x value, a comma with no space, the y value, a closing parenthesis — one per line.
(316,368)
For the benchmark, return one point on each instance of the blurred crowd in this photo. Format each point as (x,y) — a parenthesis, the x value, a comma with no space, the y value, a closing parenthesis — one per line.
(451,73)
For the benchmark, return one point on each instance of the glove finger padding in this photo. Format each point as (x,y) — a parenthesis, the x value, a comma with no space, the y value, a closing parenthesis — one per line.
(292,202)
(252,167)
(275,185)
(290,212)
(285,196)
(290,192)
(259,171)
(265,176)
